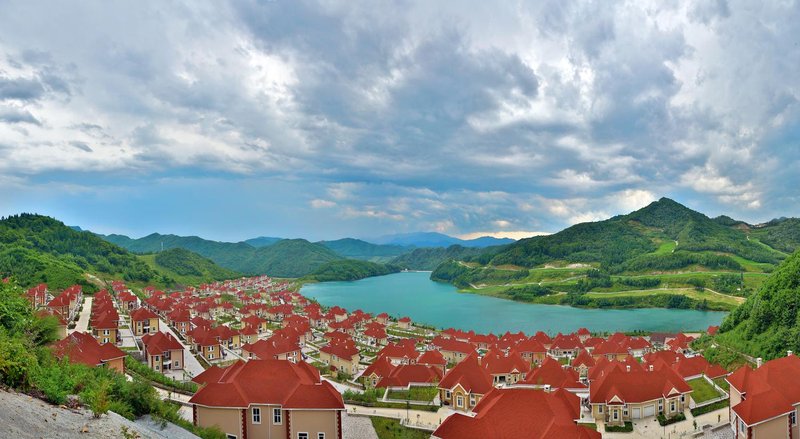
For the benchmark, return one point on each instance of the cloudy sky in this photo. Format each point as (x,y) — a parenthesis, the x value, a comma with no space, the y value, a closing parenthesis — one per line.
(352,118)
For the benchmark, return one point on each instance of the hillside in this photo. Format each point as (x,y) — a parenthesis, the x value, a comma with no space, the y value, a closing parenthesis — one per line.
(35,248)
(284,258)
(262,241)
(358,249)
(768,323)
(184,267)
(350,269)
(782,234)
(429,258)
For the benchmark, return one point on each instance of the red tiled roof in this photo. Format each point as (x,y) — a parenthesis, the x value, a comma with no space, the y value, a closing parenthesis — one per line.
(346,350)
(763,385)
(82,348)
(381,367)
(405,374)
(497,363)
(470,375)
(160,342)
(518,413)
(271,347)
(405,348)
(140,314)
(637,386)
(277,382)
(432,357)
(551,373)
(452,345)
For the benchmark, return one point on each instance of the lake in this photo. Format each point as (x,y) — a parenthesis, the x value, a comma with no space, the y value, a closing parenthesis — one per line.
(441,305)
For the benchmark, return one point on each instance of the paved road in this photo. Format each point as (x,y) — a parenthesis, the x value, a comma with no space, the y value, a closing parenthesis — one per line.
(417,417)
(190,363)
(83,318)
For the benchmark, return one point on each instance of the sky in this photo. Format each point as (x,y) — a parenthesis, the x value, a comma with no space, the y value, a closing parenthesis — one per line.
(231,120)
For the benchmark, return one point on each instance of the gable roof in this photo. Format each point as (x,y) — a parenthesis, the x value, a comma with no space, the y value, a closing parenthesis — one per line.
(762,387)
(469,375)
(156,344)
(405,374)
(551,373)
(637,386)
(293,386)
(82,348)
(519,412)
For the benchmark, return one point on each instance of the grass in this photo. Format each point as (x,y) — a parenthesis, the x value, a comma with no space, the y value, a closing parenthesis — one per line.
(724,299)
(415,394)
(702,390)
(627,428)
(722,384)
(388,428)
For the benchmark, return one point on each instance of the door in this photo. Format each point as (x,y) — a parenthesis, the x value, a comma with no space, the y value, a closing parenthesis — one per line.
(636,413)
(650,410)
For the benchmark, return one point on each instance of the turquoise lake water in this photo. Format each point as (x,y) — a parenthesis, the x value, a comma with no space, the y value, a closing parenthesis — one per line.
(441,305)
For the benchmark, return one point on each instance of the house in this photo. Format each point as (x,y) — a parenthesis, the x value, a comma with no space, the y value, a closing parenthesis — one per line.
(505,369)
(453,350)
(163,352)
(531,351)
(375,335)
(582,363)
(143,321)
(619,395)
(433,358)
(268,398)
(611,350)
(463,386)
(341,356)
(83,348)
(552,375)
(275,347)
(127,301)
(404,323)
(405,376)
(565,346)
(105,323)
(379,368)
(229,338)
(402,352)
(180,319)
(382,318)
(519,412)
(764,400)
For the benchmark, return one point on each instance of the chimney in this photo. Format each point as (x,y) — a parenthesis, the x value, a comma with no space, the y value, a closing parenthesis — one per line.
(759,362)
(789,353)
(628,367)
(651,367)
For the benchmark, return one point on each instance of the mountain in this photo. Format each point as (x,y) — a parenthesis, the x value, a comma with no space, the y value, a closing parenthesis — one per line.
(284,258)
(262,241)
(664,235)
(767,324)
(433,239)
(358,249)
(182,266)
(782,234)
(430,258)
(350,269)
(35,248)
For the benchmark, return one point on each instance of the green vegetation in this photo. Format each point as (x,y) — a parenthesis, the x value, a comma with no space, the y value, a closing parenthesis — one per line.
(415,394)
(284,258)
(430,258)
(27,364)
(722,383)
(370,398)
(350,269)
(388,428)
(35,249)
(702,390)
(663,420)
(782,234)
(358,249)
(184,267)
(627,428)
(141,370)
(767,324)
(697,411)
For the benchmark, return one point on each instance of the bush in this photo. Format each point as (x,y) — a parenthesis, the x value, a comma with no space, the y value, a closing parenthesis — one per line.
(627,428)
(710,408)
(663,420)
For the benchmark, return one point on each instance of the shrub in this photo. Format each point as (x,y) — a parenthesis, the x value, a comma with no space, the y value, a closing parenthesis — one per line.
(710,407)
(663,420)
(627,428)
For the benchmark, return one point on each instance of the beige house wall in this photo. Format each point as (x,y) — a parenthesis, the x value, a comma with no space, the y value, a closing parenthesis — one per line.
(227,420)
(266,428)
(314,422)
(774,429)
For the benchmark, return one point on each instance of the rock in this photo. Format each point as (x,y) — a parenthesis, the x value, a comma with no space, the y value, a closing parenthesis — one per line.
(85,428)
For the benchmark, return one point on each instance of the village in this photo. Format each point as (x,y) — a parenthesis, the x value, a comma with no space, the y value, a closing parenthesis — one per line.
(255,358)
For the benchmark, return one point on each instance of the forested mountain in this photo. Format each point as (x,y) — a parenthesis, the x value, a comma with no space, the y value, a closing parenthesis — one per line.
(350,269)
(35,248)
(768,323)
(186,267)
(782,234)
(262,241)
(665,235)
(284,258)
(430,258)
(358,249)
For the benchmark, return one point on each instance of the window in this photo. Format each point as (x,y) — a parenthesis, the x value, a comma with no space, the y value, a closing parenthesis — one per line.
(276,416)
(320,435)
(302,435)
(105,332)
(210,356)
(459,401)
(683,398)
(672,406)
(616,414)
(741,426)
(599,409)
(211,349)
(230,436)
(472,400)
(177,363)
(793,418)
(256,415)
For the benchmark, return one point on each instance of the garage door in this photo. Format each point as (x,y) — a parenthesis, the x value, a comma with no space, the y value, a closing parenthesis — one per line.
(650,410)
(636,413)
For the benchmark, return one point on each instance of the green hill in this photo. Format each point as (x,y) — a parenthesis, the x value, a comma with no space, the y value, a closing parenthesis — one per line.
(284,258)
(429,258)
(350,269)
(782,234)
(358,249)
(262,241)
(767,324)
(187,268)
(35,248)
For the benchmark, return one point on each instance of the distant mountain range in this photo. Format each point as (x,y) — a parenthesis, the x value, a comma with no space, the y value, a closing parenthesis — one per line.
(433,239)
